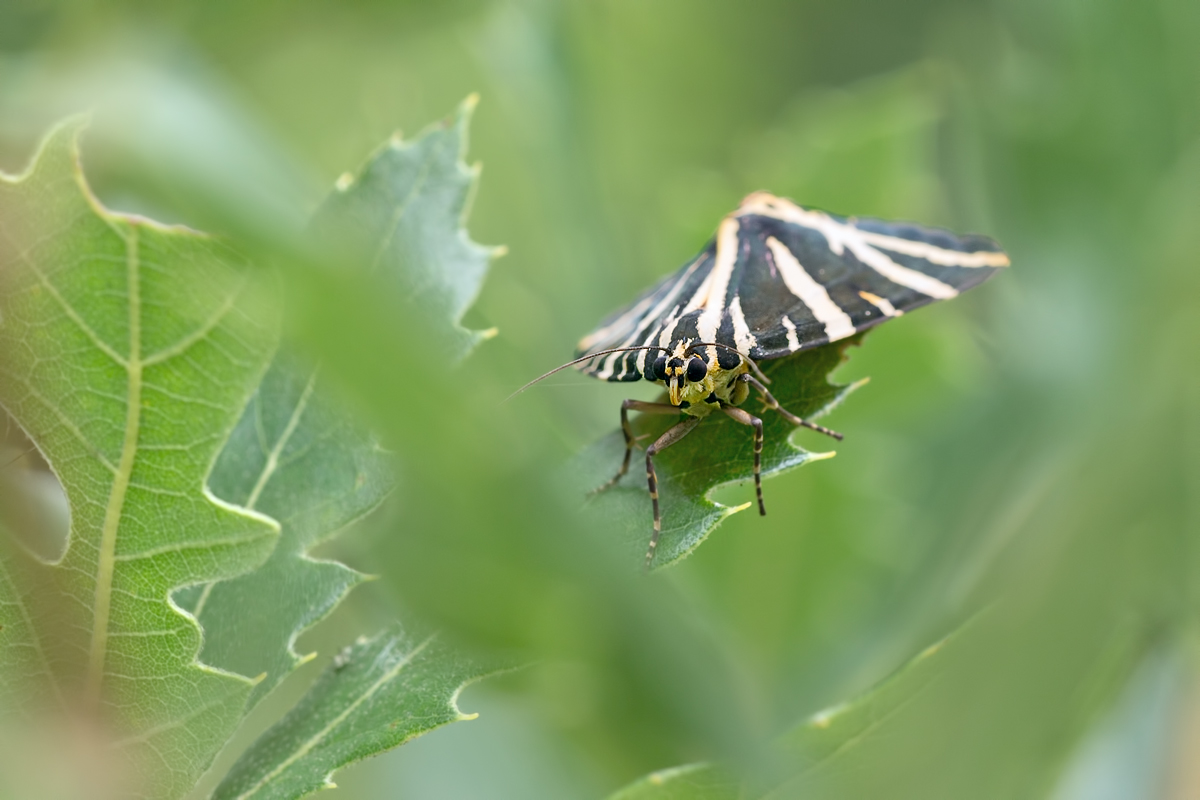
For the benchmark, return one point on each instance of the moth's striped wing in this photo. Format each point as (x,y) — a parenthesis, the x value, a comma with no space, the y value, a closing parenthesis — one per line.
(643,322)
(778,278)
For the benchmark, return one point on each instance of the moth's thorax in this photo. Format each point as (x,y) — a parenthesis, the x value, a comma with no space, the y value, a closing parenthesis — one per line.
(718,387)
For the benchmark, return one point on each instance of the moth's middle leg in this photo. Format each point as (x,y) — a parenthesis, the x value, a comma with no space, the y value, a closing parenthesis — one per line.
(770,401)
(749,419)
(626,407)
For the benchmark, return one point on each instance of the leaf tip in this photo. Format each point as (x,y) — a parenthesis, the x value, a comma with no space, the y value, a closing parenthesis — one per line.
(467,717)
(344,181)
(823,719)
(499,251)
(489,333)
(468,105)
(731,510)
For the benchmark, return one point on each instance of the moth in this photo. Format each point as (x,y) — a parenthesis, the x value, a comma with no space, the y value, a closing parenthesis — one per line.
(776,279)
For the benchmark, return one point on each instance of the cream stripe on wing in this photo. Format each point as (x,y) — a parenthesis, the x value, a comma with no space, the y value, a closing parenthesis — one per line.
(631,318)
(663,334)
(713,300)
(793,342)
(882,303)
(768,205)
(838,324)
(910,278)
(654,313)
(742,336)
(934,254)
(841,236)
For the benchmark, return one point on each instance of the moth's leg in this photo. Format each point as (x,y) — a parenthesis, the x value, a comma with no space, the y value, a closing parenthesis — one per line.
(645,408)
(772,403)
(673,435)
(749,419)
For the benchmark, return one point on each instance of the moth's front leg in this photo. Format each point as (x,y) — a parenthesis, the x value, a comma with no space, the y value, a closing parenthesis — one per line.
(673,435)
(626,407)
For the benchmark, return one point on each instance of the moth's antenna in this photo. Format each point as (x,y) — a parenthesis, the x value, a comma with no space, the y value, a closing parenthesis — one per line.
(588,357)
(749,360)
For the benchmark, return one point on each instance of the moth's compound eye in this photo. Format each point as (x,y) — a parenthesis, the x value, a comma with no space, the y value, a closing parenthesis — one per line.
(696,369)
(659,370)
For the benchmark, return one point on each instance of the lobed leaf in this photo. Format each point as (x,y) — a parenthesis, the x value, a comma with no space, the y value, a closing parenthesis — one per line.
(297,456)
(128,352)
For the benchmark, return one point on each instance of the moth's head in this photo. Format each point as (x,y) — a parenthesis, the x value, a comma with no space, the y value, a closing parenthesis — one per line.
(680,369)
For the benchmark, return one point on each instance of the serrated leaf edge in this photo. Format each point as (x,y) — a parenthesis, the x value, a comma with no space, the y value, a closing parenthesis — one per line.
(461,119)
(728,511)
(73,127)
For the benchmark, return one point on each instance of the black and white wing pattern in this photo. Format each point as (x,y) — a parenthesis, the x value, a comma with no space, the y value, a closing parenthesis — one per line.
(778,278)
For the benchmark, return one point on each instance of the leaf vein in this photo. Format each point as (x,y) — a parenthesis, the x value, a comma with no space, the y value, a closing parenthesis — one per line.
(320,735)
(200,333)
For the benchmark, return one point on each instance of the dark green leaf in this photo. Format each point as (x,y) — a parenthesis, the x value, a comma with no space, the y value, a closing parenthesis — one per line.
(717,453)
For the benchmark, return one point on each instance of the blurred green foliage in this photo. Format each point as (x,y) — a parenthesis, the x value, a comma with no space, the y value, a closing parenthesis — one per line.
(1032,449)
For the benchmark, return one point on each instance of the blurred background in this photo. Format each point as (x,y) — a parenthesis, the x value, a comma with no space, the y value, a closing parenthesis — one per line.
(1027,456)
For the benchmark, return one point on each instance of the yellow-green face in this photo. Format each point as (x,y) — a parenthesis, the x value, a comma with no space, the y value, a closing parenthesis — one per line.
(696,381)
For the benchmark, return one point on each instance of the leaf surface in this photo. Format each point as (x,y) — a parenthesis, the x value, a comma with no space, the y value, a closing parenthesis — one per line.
(821,746)
(717,453)
(404,213)
(297,454)
(128,352)
(377,694)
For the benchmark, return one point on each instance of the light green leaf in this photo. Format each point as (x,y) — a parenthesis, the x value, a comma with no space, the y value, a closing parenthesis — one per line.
(404,214)
(718,452)
(129,351)
(377,694)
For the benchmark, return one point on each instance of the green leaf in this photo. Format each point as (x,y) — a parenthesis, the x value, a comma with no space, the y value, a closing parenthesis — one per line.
(296,454)
(689,782)
(824,744)
(408,203)
(717,453)
(404,214)
(299,457)
(129,351)
(79,294)
(377,694)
